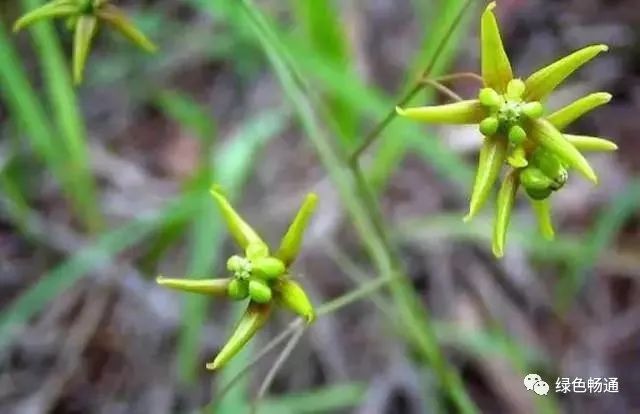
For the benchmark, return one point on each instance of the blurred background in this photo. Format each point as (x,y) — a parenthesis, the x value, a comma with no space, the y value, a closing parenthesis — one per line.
(105,186)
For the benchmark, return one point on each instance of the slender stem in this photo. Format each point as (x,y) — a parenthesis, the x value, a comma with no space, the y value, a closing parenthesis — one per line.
(270,346)
(368,140)
(355,295)
(441,88)
(459,75)
(273,371)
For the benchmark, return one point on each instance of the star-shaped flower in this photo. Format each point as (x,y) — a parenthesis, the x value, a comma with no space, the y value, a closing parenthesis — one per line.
(511,116)
(263,278)
(83,17)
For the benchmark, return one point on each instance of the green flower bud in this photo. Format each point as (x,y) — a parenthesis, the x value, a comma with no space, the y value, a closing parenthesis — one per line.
(552,167)
(517,134)
(238,289)
(489,126)
(268,267)
(259,291)
(515,88)
(489,98)
(533,109)
(538,195)
(533,178)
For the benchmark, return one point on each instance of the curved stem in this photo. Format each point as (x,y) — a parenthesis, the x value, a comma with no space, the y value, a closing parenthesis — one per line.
(368,140)
(284,354)
(441,88)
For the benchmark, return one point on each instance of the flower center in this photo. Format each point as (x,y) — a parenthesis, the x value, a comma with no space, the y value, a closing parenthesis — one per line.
(507,112)
(241,267)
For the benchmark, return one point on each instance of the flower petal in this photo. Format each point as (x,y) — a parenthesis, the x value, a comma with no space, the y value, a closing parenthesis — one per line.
(506,199)
(85,30)
(491,159)
(115,18)
(552,140)
(216,287)
(562,118)
(51,10)
(293,296)
(463,112)
(542,209)
(252,320)
(243,234)
(496,68)
(292,240)
(588,143)
(545,80)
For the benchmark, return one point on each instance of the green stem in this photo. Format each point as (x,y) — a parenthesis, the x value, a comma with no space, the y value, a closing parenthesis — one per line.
(382,125)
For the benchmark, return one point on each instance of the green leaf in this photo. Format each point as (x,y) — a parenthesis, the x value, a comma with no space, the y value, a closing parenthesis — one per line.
(112,16)
(464,112)
(292,240)
(504,205)
(251,321)
(586,143)
(215,287)
(188,113)
(325,34)
(242,232)
(54,9)
(551,139)
(544,81)
(84,31)
(567,115)
(53,283)
(491,159)
(542,209)
(496,68)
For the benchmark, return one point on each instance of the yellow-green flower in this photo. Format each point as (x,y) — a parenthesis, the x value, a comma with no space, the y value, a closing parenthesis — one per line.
(83,17)
(263,278)
(510,115)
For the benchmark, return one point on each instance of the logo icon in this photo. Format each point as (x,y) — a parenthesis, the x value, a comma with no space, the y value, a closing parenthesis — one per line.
(533,382)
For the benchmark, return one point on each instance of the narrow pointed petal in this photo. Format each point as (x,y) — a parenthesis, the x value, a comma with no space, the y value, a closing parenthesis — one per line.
(252,320)
(292,296)
(463,112)
(544,81)
(491,159)
(84,32)
(505,202)
(562,118)
(242,233)
(215,287)
(552,140)
(48,11)
(589,144)
(292,240)
(496,68)
(542,209)
(118,20)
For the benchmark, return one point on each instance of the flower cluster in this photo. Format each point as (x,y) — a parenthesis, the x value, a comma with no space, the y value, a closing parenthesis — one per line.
(83,17)
(263,278)
(510,114)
